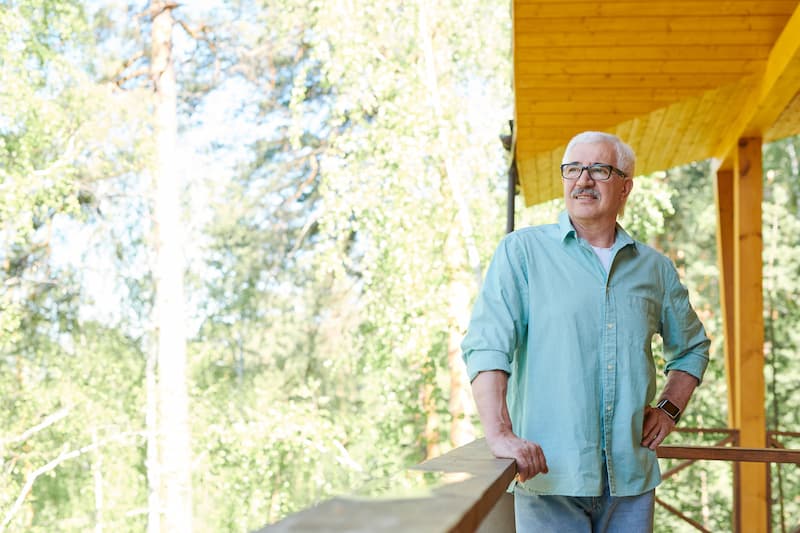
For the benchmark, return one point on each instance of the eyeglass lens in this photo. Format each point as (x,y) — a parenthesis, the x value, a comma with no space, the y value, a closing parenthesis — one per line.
(596,172)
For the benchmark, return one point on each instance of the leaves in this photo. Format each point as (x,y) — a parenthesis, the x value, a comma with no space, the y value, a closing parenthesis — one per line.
(345,180)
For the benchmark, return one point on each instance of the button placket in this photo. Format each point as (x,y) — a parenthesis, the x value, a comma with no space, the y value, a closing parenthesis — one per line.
(609,381)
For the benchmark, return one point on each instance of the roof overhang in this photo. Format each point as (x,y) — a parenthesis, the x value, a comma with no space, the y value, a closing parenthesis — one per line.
(679,80)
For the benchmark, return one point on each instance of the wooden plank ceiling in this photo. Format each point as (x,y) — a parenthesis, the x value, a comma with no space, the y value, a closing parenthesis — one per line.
(679,80)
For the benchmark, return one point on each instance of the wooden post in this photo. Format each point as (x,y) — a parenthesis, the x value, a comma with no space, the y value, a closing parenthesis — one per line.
(748,354)
(723,192)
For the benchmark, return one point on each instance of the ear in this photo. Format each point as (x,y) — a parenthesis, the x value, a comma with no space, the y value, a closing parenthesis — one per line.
(627,187)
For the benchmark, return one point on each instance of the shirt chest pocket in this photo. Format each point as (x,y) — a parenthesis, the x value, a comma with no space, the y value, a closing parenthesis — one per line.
(641,318)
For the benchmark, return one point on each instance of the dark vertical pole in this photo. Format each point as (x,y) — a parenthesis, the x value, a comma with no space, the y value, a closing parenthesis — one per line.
(513,175)
(511,196)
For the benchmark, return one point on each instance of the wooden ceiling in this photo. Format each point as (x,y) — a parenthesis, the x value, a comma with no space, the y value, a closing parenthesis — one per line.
(679,80)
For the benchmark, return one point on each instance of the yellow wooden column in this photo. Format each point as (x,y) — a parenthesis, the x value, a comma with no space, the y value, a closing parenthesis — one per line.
(723,193)
(748,325)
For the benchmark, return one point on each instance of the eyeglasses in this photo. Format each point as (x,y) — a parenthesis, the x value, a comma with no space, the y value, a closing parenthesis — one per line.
(598,171)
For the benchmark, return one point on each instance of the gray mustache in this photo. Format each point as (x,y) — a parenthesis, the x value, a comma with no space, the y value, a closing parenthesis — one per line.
(592,192)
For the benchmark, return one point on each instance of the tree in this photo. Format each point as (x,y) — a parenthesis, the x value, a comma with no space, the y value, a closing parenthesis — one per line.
(59,146)
(174,470)
(347,188)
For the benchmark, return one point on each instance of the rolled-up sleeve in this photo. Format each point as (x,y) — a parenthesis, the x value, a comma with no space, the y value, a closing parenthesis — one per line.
(500,314)
(686,345)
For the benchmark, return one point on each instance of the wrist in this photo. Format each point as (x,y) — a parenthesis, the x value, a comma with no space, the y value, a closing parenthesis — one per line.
(671,410)
(498,433)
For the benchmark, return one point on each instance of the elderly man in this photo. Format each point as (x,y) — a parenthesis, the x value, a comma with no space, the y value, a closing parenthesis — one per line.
(559,353)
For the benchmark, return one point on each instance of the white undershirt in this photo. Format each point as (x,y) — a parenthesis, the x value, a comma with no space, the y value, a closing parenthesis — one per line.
(605,256)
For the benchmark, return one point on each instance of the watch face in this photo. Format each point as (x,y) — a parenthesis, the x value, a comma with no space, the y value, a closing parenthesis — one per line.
(671,409)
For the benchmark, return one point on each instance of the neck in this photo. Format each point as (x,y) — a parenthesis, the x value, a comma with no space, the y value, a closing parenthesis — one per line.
(599,234)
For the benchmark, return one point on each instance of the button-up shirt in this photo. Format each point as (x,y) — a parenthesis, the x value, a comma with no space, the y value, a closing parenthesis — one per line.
(575,340)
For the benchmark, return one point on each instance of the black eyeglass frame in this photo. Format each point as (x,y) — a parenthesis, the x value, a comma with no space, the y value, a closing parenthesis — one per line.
(588,168)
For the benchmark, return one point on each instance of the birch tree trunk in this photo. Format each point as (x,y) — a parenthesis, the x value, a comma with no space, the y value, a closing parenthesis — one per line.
(173,405)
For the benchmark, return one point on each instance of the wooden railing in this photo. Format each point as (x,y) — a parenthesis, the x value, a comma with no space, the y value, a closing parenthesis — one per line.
(461,491)
(720,452)
(464,490)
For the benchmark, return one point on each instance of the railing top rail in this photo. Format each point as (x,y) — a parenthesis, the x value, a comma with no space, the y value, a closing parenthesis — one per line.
(730,453)
(452,492)
(725,431)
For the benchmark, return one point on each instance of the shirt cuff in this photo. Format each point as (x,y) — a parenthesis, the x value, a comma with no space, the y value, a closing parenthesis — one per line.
(483,360)
(691,363)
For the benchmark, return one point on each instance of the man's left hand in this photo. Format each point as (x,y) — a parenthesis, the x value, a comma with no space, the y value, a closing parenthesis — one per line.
(657,425)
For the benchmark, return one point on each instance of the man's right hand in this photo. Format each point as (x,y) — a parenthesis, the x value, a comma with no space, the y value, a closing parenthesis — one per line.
(489,389)
(528,455)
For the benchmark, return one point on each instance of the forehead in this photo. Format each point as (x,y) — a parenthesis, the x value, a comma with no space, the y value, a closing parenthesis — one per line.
(592,153)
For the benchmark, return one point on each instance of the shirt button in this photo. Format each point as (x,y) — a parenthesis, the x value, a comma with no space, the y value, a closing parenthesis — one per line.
(610,325)
(610,367)
(608,408)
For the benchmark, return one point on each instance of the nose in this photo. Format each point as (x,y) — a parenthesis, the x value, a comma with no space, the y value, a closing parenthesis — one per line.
(584,178)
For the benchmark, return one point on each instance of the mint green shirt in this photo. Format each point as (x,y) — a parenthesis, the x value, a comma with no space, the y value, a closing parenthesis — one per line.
(576,343)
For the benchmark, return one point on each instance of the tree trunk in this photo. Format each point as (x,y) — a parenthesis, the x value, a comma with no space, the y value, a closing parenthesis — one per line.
(462,408)
(173,405)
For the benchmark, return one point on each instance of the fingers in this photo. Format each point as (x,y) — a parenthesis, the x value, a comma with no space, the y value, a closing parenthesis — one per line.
(656,427)
(539,460)
(655,438)
(650,420)
(530,460)
(528,455)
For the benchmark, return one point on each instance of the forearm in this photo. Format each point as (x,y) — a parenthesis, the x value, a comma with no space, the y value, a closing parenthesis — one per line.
(489,390)
(679,388)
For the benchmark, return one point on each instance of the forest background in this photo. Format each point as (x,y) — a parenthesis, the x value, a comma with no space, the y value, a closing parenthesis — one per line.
(240,240)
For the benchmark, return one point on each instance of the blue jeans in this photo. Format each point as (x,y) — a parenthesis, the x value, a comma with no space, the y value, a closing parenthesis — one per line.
(584,514)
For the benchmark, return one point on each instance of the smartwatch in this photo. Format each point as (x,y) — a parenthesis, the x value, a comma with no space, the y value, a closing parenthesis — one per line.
(672,410)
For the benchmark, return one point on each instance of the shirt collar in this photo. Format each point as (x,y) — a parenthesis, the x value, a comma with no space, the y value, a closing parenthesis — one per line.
(566,229)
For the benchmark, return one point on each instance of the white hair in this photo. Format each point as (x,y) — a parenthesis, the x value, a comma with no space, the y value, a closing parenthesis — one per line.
(626,159)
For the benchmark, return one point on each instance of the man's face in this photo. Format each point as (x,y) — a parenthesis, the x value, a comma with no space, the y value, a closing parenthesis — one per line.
(590,201)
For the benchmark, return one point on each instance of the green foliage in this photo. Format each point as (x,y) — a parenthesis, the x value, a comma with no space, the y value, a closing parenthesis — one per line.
(781,223)
(73,430)
(329,277)
(347,184)
(70,386)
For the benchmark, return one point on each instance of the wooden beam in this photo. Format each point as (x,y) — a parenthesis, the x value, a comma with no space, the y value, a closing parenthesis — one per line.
(781,80)
(774,91)
(749,329)
(723,192)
